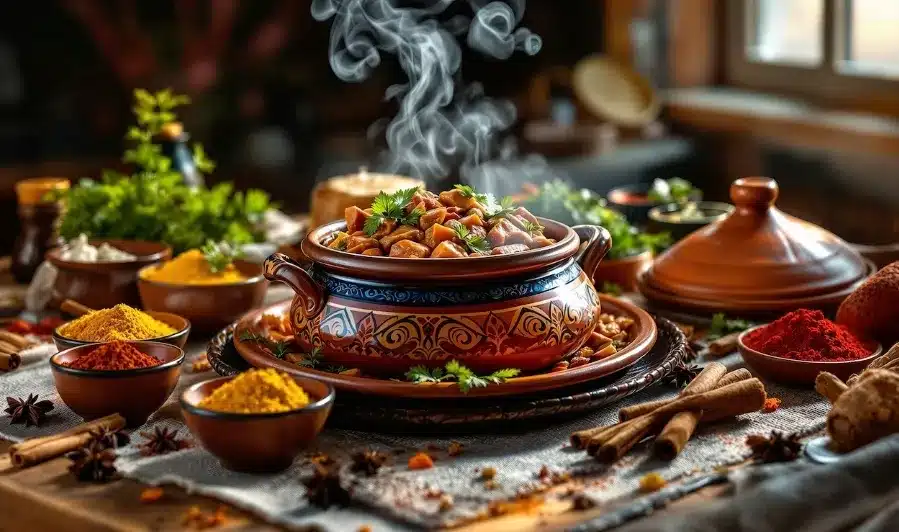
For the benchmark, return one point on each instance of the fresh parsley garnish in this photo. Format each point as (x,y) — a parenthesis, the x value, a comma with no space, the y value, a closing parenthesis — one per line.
(219,256)
(722,326)
(470,192)
(454,371)
(532,228)
(505,207)
(475,243)
(391,207)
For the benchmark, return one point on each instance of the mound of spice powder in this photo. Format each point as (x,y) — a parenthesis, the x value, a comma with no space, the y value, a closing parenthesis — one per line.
(257,391)
(114,356)
(120,322)
(809,336)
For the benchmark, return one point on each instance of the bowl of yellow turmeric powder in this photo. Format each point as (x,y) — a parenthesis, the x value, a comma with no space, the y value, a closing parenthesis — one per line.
(209,293)
(122,322)
(258,421)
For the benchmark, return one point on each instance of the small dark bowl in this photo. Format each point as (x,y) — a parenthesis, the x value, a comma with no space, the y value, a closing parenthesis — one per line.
(633,202)
(133,393)
(789,371)
(177,339)
(105,284)
(209,307)
(257,443)
(712,211)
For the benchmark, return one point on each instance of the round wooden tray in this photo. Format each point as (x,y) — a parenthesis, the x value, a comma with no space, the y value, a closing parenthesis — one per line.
(358,411)
(643,341)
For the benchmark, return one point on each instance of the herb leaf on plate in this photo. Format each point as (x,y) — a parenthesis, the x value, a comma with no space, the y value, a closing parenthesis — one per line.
(454,371)
(722,326)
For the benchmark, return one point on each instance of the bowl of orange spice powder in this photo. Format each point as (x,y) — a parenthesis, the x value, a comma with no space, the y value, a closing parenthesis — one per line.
(122,322)
(258,421)
(131,378)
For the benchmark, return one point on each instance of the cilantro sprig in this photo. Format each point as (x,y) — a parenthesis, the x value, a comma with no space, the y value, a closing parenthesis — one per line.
(219,255)
(500,209)
(392,207)
(475,243)
(454,371)
(469,192)
(722,326)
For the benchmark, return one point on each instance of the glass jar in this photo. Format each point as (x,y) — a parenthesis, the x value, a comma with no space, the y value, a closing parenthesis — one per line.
(40,219)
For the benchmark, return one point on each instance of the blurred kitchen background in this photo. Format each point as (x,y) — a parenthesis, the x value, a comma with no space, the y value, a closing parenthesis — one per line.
(805,91)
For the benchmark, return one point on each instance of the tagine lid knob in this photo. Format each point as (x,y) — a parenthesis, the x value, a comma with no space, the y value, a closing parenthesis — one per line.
(756,254)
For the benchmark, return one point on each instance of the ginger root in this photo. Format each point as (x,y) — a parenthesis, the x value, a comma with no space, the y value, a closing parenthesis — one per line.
(866,411)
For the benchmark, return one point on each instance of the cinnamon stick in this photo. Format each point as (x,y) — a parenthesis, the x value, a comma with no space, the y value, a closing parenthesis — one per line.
(724,345)
(9,361)
(6,347)
(19,341)
(37,450)
(679,428)
(74,308)
(829,386)
(636,411)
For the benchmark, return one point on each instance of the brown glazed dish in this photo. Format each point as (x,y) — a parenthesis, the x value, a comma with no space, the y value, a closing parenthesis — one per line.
(133,393)
(105,284)
(756,259)
(524,310)
(257,443)
(178,339)
(209,307)
(790,371)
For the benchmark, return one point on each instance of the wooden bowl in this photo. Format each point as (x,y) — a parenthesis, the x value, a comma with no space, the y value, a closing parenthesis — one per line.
(257,443)
(209,307)
(178,338)
(105,284)
(790,371)
(133,393)
(622,272)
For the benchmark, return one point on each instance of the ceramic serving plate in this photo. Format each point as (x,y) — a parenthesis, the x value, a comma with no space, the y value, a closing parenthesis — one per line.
(644,339)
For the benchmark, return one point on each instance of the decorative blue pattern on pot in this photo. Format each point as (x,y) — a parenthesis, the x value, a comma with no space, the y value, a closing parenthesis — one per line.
(442,294)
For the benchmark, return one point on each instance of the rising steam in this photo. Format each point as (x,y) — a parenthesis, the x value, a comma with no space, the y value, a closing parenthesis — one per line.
(437,128)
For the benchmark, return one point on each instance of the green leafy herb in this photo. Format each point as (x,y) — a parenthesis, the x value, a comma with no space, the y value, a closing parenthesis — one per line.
(470,192)
(610,288)
(251,336)
(722,326)
(475,243)
(454,371)
(312,359)
(279,349)
(391,207)
(219,256)
(558,201)
(533,228)
(674,190)
(153,203)
(505,207)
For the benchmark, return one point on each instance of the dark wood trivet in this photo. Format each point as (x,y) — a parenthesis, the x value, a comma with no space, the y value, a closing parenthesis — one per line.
(391,414)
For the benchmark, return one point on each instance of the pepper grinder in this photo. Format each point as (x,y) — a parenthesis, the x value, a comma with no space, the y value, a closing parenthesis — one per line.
(39,216)
(173,140)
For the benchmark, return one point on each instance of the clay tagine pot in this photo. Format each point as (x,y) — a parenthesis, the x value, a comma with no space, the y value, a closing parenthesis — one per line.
(756,260)
(385,314)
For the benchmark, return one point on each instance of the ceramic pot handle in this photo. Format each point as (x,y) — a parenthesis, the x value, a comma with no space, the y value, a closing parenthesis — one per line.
(595,243)
(280,267)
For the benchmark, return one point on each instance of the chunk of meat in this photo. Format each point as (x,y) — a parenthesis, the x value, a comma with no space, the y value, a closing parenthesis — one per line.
(438,233)
(358,244)
(355,218)
(501,230)
(420,206)
(374,252)
(478,230)
(409,249)
(471,220)
(515,221)
(386,227)
(339,241)
(511,248)
(517,236)
(455,198)
(521,212)
(403,232)
(358,233)
(541,242)
(458,210)
(433,216)
(452,216)
(428,198)
(475,211)
(448,250)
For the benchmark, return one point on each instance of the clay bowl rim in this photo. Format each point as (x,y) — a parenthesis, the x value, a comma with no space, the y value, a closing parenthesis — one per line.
(159,339)
(646,254)
(807,364)
(118,373)
(255,279)
(658,212)
(639,189)
(324,402)
(442,269)
(165,251)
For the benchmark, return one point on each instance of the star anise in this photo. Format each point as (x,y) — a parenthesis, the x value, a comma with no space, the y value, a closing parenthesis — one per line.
(94,462)
(161,441)
(29,411)
(323,488)
(109,438)
(774,448)
(681,374)
(368,462)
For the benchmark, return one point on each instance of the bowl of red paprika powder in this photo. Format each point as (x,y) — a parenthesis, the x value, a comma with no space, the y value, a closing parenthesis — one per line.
(796,347)
(133,379)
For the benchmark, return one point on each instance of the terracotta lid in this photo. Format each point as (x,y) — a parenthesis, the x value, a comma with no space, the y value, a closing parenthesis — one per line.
(32,191)
(756,254)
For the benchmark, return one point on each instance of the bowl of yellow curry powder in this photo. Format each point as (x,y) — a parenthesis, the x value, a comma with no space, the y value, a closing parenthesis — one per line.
(258,421)
(122,322)
(210,294)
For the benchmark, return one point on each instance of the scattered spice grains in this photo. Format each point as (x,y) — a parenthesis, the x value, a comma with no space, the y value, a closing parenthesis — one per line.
(455,448)
(652,482)
(364,528)
(201,364)
(150,495)
(488,473)
(421,460)
(368,462)
(196,519)
(28,411)
(161,441)
(771,405)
